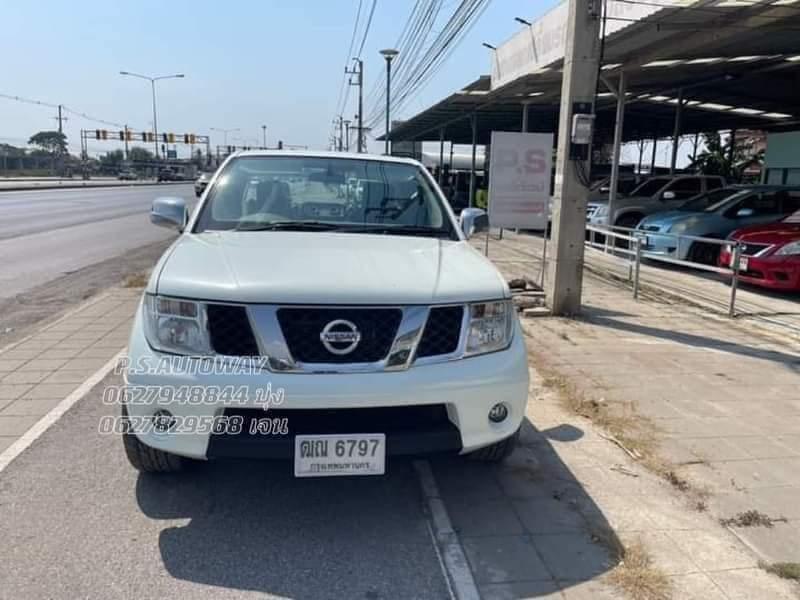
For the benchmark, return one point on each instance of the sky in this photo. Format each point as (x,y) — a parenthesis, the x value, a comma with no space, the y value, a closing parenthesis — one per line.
(277,63)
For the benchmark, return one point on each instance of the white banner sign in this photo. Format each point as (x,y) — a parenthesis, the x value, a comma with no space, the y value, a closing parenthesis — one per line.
(520,167)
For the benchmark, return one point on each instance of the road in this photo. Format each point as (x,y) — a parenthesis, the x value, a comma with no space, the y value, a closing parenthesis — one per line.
(76,521)
(47,233)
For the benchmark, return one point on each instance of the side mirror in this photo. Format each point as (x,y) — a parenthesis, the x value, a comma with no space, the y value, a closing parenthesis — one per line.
(169,212)
(473,221)
(668,196)
(744,212)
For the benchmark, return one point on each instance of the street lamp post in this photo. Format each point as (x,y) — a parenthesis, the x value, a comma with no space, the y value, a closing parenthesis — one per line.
(388,54)
(152,81)
(264,132)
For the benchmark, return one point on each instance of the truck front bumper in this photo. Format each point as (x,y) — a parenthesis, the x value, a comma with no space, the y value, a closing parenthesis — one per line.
(442,407)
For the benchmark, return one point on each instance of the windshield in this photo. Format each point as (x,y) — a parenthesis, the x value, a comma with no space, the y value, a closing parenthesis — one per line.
(704,201)
(256,193)
(651,186)
(727,200)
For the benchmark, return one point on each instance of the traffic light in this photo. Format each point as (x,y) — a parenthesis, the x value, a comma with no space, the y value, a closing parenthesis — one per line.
(104,134)
(164,138)
(144,136)
(231,149)
(192,138)
(163,150)
(97,134)
(128,135)
(280,144)
(151,136)
(121,136)
(171,138)
(185,138)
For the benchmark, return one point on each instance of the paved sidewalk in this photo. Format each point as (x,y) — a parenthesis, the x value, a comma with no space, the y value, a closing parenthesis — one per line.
(722,403)
(41,370)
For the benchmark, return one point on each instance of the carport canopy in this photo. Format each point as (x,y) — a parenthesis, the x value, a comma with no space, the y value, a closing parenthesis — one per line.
(733,64)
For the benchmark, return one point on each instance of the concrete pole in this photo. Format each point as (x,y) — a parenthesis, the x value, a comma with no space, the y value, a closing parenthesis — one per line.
(618,124)
(731,148)
(524,117)
(474,120)
(581,61)
(441,156)
(653,157)
(676,133)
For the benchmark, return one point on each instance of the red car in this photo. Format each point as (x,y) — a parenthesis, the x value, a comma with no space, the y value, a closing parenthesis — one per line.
(770,254)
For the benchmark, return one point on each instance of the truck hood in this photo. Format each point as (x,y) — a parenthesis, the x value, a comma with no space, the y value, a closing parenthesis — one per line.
(285,267)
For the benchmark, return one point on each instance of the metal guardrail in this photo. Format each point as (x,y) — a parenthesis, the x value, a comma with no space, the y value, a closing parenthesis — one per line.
(634,251)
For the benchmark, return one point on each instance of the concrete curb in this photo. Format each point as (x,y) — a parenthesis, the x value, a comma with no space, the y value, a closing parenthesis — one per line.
(68,186)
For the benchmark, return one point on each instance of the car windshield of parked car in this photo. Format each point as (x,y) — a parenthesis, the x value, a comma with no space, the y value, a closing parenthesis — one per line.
(704,201)
(651,186)
(261,193)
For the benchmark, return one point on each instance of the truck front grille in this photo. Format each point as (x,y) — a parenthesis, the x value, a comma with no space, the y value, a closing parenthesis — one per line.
(442,331)
(302,328)
(230,331)
(750,249)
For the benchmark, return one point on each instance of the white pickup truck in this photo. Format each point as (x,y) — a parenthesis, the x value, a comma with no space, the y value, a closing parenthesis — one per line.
(299,318)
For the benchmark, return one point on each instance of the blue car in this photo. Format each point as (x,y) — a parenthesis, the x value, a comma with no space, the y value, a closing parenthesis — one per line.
(714,215)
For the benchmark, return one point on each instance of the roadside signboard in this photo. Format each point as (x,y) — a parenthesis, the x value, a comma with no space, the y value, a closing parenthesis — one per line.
(519,179)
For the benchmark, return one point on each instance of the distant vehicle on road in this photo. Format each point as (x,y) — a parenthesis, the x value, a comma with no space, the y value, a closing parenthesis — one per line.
(201,182)
(653,195)
(770,254)
(167,174)
(740,206)
(366,303)
(128,175)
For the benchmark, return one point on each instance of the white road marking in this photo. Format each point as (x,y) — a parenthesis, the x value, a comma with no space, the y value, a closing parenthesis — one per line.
(56,412)
(453,560)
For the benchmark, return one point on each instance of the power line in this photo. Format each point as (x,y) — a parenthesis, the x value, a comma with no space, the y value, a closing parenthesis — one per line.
(65,108)
(366,29)
(339,104)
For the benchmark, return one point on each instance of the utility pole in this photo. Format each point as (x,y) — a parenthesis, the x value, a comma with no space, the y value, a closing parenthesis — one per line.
(359,71)
(264,132)
(579,84)
(60,118)
(347,135)
(341,135)
(125,135)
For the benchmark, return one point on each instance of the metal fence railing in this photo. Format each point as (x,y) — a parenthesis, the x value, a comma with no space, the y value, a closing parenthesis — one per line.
(633,248)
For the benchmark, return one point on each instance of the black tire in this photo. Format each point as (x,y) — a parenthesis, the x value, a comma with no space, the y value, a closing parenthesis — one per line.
(497,452)
(146,459)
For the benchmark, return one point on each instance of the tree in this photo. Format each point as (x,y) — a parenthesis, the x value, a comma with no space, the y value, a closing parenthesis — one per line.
(112,158)
(50,141)
(139,154)
(717,158)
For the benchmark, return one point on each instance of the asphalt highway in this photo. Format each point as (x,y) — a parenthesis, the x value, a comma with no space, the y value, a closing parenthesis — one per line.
(45,234)
(76,521)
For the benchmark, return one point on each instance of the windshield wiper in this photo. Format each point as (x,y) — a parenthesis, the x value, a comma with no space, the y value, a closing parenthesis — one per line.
(287,226)
(400,230)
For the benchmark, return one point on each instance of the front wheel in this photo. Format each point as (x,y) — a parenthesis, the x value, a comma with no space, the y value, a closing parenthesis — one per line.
(146,459)
(497,452)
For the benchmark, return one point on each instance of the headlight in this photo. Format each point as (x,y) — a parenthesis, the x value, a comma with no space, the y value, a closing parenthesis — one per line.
(490,327)
(789,249)
(683,226)
(176,326)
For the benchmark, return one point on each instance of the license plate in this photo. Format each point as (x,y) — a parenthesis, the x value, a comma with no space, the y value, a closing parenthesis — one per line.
(744,261)
(331,455)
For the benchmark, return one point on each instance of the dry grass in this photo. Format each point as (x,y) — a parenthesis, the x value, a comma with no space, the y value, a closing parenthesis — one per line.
(784,570)
(638,577)
(632,432)
(137,280)
(751,518)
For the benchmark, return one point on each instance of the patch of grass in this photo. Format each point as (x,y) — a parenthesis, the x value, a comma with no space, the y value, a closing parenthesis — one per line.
(137,280)
(637,577)
(751,518)
(632,432)
(784,570)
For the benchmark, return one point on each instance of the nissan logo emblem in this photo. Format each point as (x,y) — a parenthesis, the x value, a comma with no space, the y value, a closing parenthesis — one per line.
(340,337)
